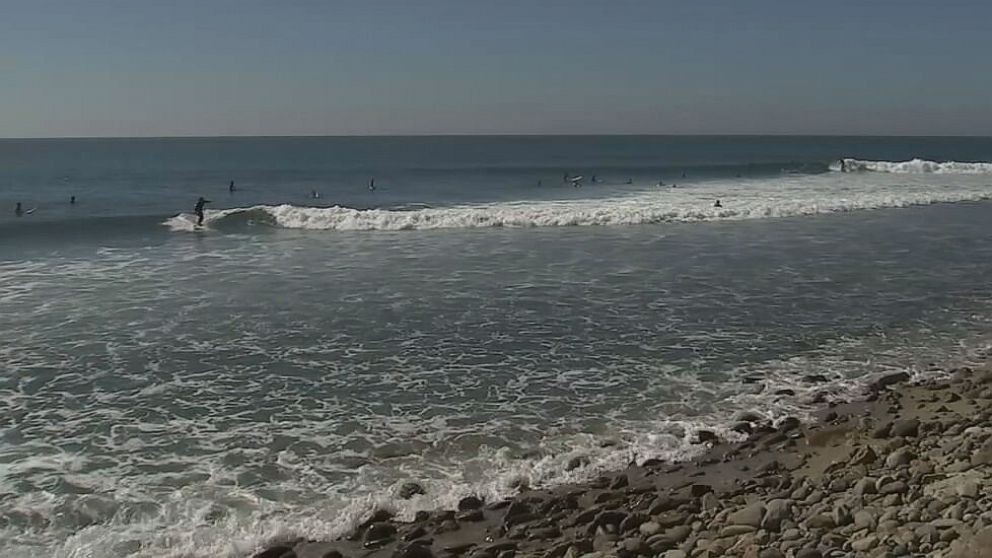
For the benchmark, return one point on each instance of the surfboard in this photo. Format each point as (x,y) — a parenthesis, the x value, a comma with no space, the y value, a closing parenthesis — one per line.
(30,211)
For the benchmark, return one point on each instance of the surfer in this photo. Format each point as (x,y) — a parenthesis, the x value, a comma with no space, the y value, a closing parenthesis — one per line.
(564,177)
(198,210)
(843,165)
(231,188)
(372,184)
(18,210)
(314,194)
(717,204)
(683,174)
(630,181)
(72,200)
(594,179)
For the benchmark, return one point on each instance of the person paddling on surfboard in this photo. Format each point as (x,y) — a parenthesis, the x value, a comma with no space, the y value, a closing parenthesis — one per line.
(18,210)
(198,210)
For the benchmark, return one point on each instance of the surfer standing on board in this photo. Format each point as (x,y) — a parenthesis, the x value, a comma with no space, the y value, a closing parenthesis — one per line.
(843,165)
(198,210)
(18,210)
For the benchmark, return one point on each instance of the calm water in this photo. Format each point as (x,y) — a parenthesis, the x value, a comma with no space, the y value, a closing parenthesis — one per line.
(171,391)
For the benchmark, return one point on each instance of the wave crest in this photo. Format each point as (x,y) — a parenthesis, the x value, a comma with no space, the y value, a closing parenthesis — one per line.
(913,166)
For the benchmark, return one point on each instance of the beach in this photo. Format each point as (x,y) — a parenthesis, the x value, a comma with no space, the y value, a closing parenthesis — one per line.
(903,472)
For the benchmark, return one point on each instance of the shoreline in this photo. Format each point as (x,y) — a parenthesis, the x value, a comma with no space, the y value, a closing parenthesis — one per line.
(899,473)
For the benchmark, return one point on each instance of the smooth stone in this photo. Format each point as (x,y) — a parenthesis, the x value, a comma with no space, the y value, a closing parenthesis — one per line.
(906,428)
(737,530)
(751,515)
(776,512)
(649,528)
(898,458)
(865,544)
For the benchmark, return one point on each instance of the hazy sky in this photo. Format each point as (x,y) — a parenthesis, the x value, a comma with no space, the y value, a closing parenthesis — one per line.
(245,67)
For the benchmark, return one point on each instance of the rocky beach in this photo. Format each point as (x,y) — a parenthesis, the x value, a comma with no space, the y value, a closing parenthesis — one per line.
(902,472)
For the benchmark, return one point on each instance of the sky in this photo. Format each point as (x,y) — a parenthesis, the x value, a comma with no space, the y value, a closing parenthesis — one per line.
(365,67)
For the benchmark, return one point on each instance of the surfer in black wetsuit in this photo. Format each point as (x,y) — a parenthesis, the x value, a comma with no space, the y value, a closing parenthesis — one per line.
(72,200)
(17,209)
(198,210)
(717,204)
(843,166)
(372,184)
(231,188)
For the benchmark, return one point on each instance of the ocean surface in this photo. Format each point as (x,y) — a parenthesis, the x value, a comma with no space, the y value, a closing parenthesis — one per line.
(475,322)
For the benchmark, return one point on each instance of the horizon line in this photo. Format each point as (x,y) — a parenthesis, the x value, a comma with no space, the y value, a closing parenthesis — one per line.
(523,135)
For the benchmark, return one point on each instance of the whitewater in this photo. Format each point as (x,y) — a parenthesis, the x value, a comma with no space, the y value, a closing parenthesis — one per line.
(787,195)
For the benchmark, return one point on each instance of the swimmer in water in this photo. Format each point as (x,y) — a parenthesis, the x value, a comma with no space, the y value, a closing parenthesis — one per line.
(717,204)
(72,200)
(231,188)
(198,210)
(18,210)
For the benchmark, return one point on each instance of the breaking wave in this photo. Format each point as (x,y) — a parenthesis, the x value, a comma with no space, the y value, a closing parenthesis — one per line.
(913,166)
(747,200)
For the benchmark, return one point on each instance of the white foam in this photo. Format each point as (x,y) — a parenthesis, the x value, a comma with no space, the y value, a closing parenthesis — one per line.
(915,166)
(788,196)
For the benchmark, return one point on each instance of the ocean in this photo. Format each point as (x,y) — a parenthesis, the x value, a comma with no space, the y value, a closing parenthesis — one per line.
(476,322)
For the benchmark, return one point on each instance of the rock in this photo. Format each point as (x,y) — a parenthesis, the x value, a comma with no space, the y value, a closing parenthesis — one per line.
(277,551)
(413,551)
(635,546)
(864,455)
(674,554)
(469,503)
(737,530)
(545,533)
(865,519)
(865,544)
(906,428)
(776,512)
(842,516)
(898,458)
(894,487)
(379,532)
(751,516)
(410,489)
(576,462)
(967,489)
(771,553)
(671,518)
(704,436)
(788,423)
(882,430)
(649,528)
(891,379)
(809,552)
(632,522)
(821,521)
(710,502)
(471,515)
(697,490)
(414,533)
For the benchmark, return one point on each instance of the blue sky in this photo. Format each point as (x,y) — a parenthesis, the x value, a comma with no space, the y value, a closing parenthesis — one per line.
(246,67)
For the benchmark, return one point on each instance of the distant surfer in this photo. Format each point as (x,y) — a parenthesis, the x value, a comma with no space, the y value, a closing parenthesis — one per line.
(372,184)
(843,165)
(231,188)
(565,177)
(576,181)
(660,183)
(630,181)
(18,210)
(314,194)
(717,204)
(683,174)
(198,210)
(72,200)
(594,179)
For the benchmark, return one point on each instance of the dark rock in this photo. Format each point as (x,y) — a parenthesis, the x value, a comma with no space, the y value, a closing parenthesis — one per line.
(277,551)
(471,515)
(459,549)
(447,526)
(576,462)
(891,379)
(906,428)
(632,522)
(809,553)
(788,423)
(332,554)
(620,482)
(379,532)
(410,489)
(882,431)
(742,427)
(697,490)
(414,533)
(545,533)
(469,503)
(704,436)
(413,551)
(518,508)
